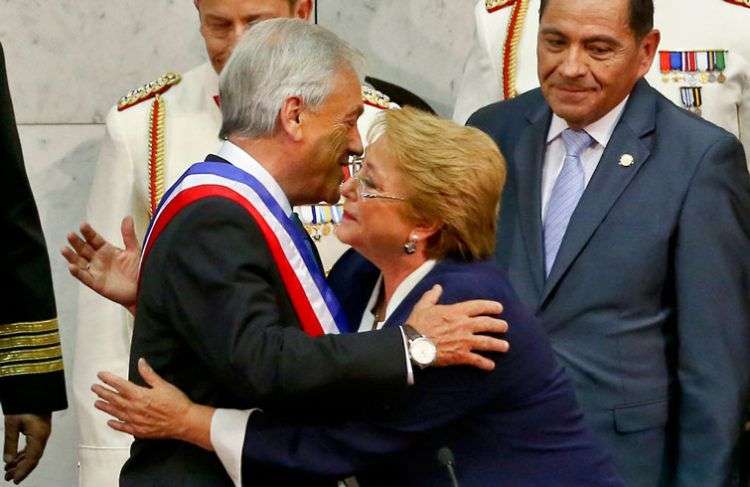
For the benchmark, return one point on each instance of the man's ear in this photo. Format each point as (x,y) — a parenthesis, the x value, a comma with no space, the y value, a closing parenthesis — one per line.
(303,9)
(290,117)
(648,47)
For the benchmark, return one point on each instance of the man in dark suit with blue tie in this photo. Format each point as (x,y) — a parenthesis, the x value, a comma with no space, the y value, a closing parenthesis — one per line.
(626,226)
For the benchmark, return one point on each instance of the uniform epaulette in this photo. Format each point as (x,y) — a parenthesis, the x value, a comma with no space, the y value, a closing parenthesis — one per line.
(494,5)
(741,3)
(149,90)
(373,97)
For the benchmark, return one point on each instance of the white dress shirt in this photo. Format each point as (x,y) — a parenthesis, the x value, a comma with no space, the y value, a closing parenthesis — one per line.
(368,322)
(600,131)
(241,159)
(228,425)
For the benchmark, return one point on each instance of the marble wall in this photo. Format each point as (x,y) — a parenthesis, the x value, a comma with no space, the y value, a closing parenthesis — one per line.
(69,60)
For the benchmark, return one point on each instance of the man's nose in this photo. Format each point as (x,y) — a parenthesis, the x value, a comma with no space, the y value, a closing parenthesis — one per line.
(355,142)
(574,63)
(238,30)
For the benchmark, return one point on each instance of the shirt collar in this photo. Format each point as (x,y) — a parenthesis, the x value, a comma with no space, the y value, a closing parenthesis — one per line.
(600,131)
(241,159)
(403,289)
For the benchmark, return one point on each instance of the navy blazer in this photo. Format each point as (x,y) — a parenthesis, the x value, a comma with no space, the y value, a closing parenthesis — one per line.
(518,425)
(648,302)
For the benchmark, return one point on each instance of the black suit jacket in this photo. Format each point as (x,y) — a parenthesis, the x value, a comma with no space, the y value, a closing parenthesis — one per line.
(648,302)
(31,369)
(213,317)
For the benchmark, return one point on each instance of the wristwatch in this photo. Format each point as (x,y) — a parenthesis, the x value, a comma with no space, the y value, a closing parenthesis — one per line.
(422,350)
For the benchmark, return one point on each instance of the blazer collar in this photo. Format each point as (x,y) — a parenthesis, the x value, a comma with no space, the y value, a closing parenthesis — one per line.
(529,158)
(629,143)
(632,136)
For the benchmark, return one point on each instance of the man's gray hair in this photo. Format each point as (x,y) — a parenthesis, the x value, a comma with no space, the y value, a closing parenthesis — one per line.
(277,59)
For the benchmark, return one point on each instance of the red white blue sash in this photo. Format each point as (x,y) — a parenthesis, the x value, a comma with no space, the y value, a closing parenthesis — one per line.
(315,305)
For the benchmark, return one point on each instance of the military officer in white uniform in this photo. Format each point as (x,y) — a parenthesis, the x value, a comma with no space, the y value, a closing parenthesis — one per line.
(152,135)
(703,63)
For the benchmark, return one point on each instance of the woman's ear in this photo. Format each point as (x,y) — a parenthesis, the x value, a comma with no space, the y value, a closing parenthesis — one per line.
(425,230)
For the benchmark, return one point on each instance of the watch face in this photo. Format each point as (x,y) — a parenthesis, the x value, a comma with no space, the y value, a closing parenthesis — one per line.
(423,351)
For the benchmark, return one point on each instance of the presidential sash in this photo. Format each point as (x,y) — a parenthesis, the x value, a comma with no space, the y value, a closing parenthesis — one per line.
(315,305)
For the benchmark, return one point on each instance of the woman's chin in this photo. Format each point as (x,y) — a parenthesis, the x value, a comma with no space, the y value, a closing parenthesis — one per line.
(347,232)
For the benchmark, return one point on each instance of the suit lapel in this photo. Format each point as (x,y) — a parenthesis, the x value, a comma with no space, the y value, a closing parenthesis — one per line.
(609,180)
(529,158)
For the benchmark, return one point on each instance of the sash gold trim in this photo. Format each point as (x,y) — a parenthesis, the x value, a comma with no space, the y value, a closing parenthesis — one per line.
(28,327)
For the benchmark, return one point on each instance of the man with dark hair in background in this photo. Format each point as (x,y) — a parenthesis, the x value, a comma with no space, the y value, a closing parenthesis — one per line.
(625,226)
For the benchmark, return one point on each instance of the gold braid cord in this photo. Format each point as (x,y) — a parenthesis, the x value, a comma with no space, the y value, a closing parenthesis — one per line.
(156,151)
(30,348)
(494,5)
(510,49)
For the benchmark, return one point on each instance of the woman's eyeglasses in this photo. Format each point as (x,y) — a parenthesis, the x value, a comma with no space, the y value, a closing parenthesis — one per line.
(365,190)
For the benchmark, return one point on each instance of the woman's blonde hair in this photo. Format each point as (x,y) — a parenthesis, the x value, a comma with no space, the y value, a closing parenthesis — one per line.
(452,175)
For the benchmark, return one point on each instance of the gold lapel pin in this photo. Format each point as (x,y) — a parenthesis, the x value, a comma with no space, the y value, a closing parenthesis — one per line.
(626,160)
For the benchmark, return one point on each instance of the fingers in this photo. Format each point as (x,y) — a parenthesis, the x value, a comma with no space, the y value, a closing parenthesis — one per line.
(122,386)
(485,324)
(93,238)
(80,246)
(111,409)
(430,298)
(152,378)
(12,464)
(127,229)
(475,360)
(10,448)
(111,398)
(453,358)
(73,258)
(479,307)
(479,343)
(121,426)
(32,454)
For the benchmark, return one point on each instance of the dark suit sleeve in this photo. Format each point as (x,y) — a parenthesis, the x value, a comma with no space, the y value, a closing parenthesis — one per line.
(439,397)
(341,448)
(31,367)
(712,274)
(219,291)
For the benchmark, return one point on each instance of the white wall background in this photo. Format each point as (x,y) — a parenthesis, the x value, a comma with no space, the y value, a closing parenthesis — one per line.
(68,61)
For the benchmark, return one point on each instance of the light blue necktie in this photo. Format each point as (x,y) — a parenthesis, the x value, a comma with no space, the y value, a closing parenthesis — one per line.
(566,192)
